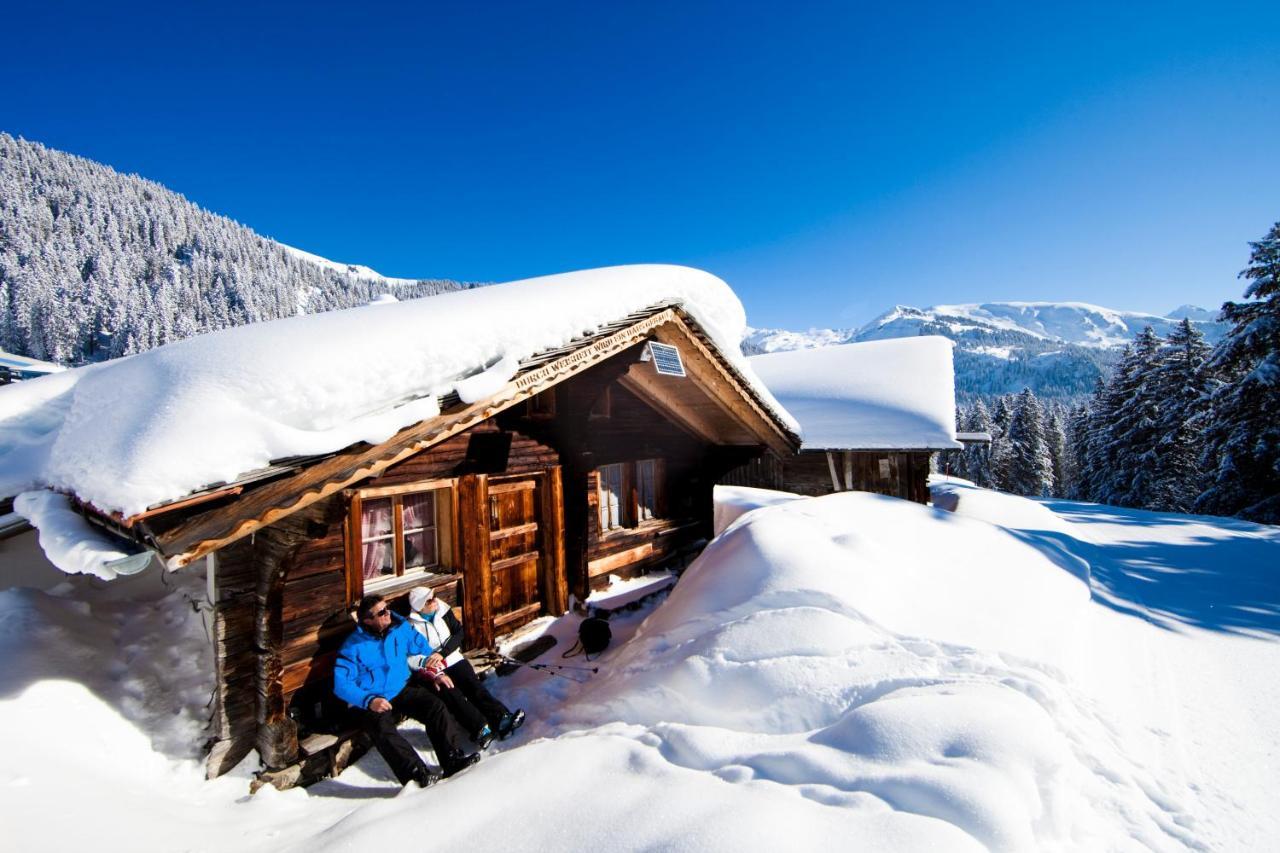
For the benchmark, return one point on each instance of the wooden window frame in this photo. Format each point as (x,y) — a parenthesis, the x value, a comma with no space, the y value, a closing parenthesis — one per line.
(603,501)
(629,505)
(447,559)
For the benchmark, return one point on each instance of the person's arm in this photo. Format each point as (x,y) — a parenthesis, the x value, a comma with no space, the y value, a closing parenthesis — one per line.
(454,642)
(346,684)
(416,642)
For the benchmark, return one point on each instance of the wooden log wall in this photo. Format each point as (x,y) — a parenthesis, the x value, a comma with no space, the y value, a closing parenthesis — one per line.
(283,608)
(284,597)
(634,431)
(235,700)
(809,473)
(763,472)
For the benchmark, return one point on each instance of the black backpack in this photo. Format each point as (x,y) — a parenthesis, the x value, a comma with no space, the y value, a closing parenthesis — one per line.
(594,635)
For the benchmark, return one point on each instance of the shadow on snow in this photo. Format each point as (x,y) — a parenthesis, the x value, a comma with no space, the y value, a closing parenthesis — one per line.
(1228,582)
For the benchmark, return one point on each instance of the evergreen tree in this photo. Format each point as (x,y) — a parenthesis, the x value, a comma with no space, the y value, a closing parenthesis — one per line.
(1132,435)
(95,264)
(1077,434)
(1056,439)
(1243,439)
(1030,467)
(1087,432)
(1182,385)
(1104,409)
(998,462)
(977,457)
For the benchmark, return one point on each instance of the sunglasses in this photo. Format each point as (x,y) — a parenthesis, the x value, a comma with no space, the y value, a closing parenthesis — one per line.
(378,614)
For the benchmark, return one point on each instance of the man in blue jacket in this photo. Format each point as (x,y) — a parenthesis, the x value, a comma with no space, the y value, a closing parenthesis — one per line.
(372,675)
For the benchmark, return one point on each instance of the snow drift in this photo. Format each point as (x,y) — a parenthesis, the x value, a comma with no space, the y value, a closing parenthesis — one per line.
(851,671)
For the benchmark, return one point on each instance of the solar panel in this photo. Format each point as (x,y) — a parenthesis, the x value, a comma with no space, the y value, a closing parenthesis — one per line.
(666,359)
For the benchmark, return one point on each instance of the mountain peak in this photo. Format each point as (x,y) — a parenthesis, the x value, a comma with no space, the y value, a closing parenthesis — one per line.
(1193,312)
(1057,349)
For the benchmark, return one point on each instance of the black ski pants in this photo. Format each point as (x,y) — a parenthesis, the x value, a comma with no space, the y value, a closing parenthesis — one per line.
(470,703)
(425,706)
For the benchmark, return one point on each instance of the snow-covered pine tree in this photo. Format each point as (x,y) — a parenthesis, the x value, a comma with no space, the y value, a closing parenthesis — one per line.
(953,461)
(1243,439)
(1103,435)
(977,461)
(95,264)
(1030,467)
(998,459)
(1133,432)
(1088,432)
(1056,438)
(1182,385)
(1077,434)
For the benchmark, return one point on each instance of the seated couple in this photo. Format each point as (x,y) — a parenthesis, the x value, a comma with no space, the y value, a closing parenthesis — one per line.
(393,664)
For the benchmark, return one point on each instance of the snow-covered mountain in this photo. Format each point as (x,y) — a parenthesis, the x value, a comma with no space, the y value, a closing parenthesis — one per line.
(1053,322)
(1057,349)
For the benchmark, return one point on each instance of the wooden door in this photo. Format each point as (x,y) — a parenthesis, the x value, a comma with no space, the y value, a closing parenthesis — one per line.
(516,552)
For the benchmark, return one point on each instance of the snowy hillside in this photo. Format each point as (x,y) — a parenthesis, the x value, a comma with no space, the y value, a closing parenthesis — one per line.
(355,271)
(95,264)
(850,672)
(1058,349)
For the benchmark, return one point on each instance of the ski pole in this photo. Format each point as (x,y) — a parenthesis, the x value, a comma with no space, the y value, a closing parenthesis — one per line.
(549,668)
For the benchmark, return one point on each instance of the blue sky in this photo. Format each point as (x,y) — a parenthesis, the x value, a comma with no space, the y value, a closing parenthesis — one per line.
(829,160)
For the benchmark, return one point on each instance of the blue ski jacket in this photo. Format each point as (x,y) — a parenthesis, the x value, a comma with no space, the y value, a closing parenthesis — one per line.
(370,666)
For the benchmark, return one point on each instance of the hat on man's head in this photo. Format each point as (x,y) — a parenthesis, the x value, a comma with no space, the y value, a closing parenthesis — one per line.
(420,595)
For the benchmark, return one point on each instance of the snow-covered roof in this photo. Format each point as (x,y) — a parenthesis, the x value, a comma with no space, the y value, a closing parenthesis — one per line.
(881,395)
(151,428)
(25,366)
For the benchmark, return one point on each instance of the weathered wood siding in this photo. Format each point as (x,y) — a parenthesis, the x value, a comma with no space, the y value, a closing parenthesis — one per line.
(898,474)
(284,606)
(634,431)
(235,699)
(285,601)
(764,472)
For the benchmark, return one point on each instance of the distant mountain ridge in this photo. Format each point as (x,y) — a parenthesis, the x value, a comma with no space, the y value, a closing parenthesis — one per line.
(1058,349)
(95,264)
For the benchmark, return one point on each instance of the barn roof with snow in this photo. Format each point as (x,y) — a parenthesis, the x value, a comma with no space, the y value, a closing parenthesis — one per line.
(881,395)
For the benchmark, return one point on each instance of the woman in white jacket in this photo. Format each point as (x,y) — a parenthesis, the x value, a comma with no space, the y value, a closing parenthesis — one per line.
(473,706)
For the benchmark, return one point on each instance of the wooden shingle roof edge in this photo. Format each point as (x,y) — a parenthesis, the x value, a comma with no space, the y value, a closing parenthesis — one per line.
(306,481)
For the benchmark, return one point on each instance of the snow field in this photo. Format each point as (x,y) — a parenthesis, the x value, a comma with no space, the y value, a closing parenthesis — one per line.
(849,670)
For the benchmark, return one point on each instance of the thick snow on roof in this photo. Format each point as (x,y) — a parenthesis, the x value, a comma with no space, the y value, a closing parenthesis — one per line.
(879,395)
(130,433)
(24,364)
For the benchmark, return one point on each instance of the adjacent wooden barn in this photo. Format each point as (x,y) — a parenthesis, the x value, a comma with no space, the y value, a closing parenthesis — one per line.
(872,415)
(596,459)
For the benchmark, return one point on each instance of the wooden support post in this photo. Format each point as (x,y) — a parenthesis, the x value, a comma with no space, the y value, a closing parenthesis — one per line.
(835,478)
(477,581)
(555,582)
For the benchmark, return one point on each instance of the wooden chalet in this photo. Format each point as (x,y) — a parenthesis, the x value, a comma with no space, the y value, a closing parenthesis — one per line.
(596,459)
(873,415)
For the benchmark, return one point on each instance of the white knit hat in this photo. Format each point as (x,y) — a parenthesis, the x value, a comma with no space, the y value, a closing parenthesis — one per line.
(419,596)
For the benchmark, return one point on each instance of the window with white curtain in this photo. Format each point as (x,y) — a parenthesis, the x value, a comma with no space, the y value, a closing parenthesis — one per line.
(611,501)
(629,493)
(400,535)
